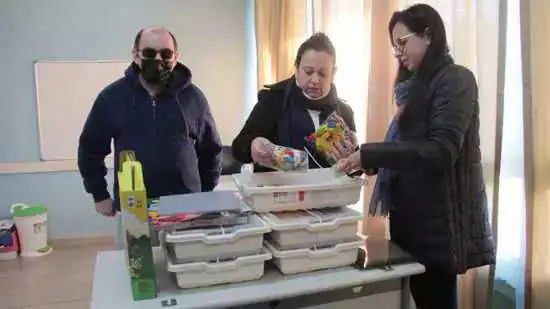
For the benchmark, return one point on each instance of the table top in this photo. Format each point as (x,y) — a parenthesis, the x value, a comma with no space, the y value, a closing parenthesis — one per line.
(111,287)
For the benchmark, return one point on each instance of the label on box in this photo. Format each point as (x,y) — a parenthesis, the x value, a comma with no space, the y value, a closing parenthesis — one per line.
(288,197)
(323,196)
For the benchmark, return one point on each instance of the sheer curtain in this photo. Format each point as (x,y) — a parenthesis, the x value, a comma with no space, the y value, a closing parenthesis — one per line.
(535,23)
(508,287)
(345,23)
(280,27)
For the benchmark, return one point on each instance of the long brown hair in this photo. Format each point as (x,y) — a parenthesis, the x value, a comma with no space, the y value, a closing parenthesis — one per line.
(422,20)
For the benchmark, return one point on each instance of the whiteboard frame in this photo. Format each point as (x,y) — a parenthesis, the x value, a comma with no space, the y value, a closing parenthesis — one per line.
(62,162)
(9,168)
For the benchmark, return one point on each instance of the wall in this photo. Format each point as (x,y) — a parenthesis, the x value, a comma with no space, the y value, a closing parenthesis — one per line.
(74,30)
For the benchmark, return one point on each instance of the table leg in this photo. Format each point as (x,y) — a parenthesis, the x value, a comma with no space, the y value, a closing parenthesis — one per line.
(405,293)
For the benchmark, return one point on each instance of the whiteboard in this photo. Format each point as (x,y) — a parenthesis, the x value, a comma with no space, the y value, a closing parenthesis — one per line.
(65,92)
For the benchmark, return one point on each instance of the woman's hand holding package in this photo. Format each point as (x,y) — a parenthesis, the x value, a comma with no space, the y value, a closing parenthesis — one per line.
(261,150)
(350,164)
(333,140)
(342,149)
(278,157)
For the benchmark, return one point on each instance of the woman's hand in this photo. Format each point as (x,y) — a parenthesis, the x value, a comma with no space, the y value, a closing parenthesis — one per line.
(342,150)
(350,164)
(261,150)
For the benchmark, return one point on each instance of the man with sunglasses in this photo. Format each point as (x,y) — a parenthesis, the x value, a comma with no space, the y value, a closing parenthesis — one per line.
(156,111)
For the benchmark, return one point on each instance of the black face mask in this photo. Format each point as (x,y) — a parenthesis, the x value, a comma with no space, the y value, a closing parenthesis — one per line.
(155,71)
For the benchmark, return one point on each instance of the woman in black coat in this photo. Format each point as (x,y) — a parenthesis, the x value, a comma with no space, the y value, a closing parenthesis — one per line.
(288,111)
(430,177)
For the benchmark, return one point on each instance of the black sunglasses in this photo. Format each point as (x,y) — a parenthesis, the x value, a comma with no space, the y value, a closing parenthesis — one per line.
(151,53)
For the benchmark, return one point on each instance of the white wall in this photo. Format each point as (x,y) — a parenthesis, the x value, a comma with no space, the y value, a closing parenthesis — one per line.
(33,30)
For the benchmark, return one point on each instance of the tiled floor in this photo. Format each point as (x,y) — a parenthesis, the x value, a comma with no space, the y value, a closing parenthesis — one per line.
(61,280)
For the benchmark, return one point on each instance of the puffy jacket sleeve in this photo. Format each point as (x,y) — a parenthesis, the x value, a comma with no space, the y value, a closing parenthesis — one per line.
(454,102)
(262,122)
(93,146)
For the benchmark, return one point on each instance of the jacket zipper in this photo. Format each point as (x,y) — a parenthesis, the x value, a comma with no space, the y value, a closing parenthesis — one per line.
(154,114)
(154,104)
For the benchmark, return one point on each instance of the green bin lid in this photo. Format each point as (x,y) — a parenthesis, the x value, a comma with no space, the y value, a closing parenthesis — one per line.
(22,210)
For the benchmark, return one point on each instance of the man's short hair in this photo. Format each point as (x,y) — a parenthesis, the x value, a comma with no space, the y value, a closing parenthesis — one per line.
(137,39)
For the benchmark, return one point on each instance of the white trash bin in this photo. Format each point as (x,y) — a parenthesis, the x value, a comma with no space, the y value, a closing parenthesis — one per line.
(31,223)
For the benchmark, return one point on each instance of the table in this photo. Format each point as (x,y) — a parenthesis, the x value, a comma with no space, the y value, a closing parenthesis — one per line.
(347,287)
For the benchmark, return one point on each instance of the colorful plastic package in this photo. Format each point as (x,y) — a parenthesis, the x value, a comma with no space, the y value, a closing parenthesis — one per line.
(287,159)
(332,137)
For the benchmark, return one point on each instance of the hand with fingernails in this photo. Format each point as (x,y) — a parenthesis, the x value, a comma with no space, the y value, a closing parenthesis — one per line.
(261,150)
(350,164)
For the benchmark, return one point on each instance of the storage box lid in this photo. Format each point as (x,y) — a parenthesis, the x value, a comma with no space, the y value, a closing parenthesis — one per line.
(218,266)
(315,179)
(323,251)
(315,219)
(203,202)
(23,210)
(220,234)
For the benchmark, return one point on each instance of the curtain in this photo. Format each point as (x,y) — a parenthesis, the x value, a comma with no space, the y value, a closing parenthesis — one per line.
(281,26)
(536,74)
(347,23)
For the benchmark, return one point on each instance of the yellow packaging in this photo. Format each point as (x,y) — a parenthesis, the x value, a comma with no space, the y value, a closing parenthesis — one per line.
(137,238)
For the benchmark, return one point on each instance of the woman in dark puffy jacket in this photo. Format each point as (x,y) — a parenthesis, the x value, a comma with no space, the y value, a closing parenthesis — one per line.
(430,178)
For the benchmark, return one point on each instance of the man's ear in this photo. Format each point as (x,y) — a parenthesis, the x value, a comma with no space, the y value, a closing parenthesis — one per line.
(135,55)
(176,56)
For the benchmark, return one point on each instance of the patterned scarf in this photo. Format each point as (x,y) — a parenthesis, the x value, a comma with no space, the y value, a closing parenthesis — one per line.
(380,203)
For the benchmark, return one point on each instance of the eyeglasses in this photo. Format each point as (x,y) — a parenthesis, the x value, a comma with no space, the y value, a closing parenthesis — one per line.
(401,43)
(151,53)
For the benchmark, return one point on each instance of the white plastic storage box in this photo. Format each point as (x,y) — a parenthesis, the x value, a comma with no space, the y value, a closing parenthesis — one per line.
(311,259)
(284,191)
(208,273)
(305,228)
(217,242)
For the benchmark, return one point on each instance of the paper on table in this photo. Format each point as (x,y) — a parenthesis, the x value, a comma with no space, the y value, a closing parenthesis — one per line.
(198,203)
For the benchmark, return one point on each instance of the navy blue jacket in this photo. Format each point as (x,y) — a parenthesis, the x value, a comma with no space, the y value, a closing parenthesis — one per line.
(173,135)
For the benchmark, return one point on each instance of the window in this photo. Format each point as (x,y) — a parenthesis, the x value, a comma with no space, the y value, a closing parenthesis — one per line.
(511,213)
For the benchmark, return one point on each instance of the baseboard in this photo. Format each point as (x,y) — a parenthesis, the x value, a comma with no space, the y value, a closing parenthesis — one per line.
(77,242)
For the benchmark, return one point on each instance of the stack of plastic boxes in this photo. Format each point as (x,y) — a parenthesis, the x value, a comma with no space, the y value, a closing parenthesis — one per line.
(312,228)
(219,254)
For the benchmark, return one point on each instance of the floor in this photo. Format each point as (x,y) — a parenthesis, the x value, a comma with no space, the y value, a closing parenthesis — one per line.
(60,280)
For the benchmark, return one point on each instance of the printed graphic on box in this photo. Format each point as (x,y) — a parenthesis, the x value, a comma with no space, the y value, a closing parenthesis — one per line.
(137,240)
